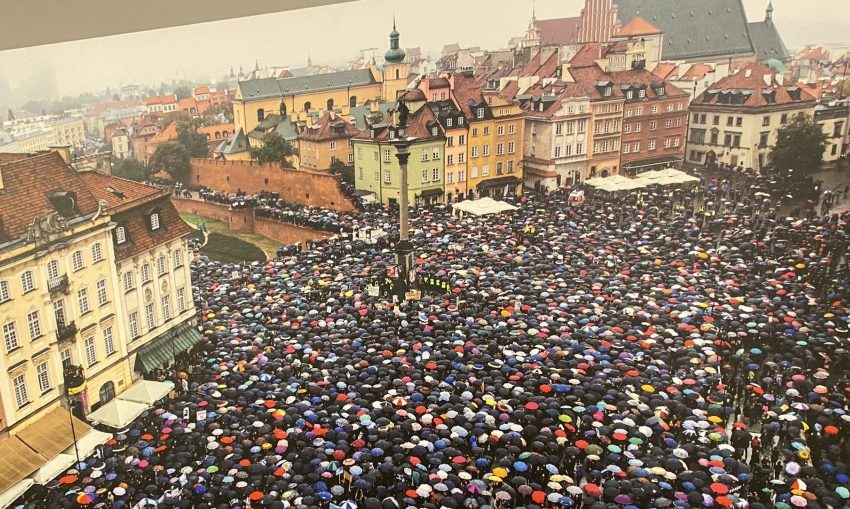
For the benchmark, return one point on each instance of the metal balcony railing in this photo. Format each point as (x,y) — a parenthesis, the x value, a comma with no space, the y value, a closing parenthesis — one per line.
(66,332)
(59,284)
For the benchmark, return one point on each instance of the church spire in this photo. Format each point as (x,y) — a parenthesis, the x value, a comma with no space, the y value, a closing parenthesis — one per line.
(533,11)
(768,13)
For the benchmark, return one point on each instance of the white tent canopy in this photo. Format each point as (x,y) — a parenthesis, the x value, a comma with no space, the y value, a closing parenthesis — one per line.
(53,468)
(147,392)
(483,206)
(88,443)
(15,491)
(118,413)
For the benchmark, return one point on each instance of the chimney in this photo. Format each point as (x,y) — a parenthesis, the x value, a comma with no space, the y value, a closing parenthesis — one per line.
(565,74)
(62,150)
(768,79)
(748,73)
(780,79)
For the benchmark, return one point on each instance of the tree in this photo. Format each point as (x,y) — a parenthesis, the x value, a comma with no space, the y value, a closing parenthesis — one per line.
(183,92)
(842,89)
(340,168)
(131,169)
(188,136)
(799,146)
(173,159)
(273,150)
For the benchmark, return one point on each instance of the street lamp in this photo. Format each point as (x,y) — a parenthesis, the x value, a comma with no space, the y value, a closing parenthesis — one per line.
(71,401)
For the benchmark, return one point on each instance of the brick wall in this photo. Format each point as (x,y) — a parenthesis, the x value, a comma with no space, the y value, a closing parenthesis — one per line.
(244,221)
(315,189)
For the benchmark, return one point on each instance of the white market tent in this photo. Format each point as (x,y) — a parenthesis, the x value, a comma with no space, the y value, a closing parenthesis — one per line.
(88,443)
(147,392)
(483,206)
(10,495)
(118,413)
(53,468)
(665,177)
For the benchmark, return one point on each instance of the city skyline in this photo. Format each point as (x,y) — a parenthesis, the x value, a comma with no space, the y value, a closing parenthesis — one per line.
(94,64)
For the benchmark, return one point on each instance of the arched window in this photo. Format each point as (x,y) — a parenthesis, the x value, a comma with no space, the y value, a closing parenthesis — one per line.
(330,104)
(107,392)
(261,115)
(217,135)
(307,106)
(282,109)
(352,101)
(396,74)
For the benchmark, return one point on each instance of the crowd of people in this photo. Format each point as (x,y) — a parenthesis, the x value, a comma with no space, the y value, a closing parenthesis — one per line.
(683,350)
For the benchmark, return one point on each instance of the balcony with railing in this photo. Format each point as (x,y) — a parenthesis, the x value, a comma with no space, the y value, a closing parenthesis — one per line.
(59,284)
(66,332)
(75,380)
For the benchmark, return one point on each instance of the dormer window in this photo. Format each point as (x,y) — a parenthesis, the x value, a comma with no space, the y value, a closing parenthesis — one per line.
(392,134)
(607,91)
(65,202)
(449,122)
(434,131)
(154,218)
(480,113)
(660,90)
(460,121)
(630,95)
(642,93)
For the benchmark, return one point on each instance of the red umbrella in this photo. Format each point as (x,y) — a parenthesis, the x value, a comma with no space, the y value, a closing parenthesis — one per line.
(830,430)
(68,479)
(256,496)
(592,490)
(538,497)
(719,488)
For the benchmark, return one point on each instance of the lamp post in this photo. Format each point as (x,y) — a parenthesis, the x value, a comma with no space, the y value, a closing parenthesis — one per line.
(71,401)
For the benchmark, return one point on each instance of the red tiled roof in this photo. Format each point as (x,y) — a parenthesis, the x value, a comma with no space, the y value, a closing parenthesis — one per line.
(587,55)
(201,90)
(167,134)
(326,129)
(638,26)
(644,77)
(665,69)
(102,187)
(8,157)
(98,109)
(544,69)
(26,183)
(755,83)
(465,90)
(188,103)
(511,89)
(697,72)
(140,238)
(211,129)
(559,31)
(438,83)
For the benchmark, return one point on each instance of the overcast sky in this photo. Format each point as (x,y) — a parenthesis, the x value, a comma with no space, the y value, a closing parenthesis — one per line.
(334,34)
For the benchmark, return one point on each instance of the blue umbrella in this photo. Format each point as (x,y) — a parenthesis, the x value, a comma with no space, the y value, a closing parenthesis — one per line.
(520,466)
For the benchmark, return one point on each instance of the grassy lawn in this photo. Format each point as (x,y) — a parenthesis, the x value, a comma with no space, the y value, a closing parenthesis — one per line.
(222,231)
(228,249)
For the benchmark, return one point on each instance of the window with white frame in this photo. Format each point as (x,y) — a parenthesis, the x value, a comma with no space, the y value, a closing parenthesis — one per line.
(166,307)
(386,155)
(145,273)
(627,128)
(66,358)
(435,175)
(500,130)
(91,351)
(582,126)
(161,266)
(511,128)
(461,157)
(653,110)
(571,125)
(19,385)
(677,122)
(83,300)
(108,341)
(96,252)
(77,260)
(568,150)
(651,144)
(510,166)
(150,316)
(5,293)
(424,175)
(450,159)
(155,224)
(461,139)
(350,158)
(34,325)
(435,131)
(424,154)
(635,147)
(333,145)
(669,107)
(626,148)
(27,282)
(668,142)
(435,154)
(450,177)
(676,141)
(473,172)
(499,166)
(129,283)
(480,113)
(10,336)
(102,296)
(653,125)
(558,151)
(511,147)
(642,93)
(181,300)
(595,147)
(638,112)
(679,107)
(461,176)
(448,122)
(177,259)
(485,170)
(637,127)
(43,374)
(459,120)
(668,123)
(134,325)
(121,235)
(579,148)
(387,177)
(500,149)
(474,151)
(485,151)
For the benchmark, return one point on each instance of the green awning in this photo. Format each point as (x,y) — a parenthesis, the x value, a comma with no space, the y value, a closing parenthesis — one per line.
(164,347)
